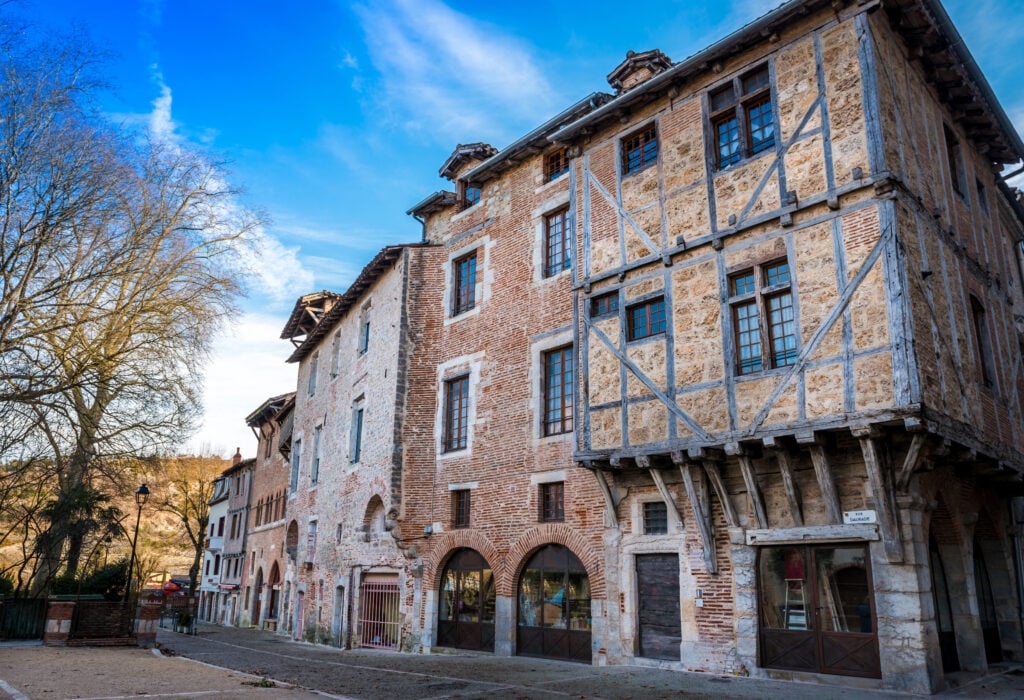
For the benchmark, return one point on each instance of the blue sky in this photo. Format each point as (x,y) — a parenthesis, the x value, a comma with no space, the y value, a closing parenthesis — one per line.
(335,116)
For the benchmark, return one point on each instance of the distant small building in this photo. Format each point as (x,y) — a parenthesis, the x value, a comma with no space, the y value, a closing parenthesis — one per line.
(211,598)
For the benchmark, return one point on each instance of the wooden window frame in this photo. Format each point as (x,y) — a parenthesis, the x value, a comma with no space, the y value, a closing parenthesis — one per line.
(558,391)
(759,297)
(640,141)
(314,363)
(556,164)
(314,465)
(551,502)
(982,343)
(364,330)
(604,305)
(655,319)
(358,415)
(558,246)
(742,101)
(456,413)
(461,508)
(469,195)
(955,160)
(464,277)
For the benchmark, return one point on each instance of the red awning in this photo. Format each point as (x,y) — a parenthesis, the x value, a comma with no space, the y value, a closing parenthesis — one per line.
(171,587)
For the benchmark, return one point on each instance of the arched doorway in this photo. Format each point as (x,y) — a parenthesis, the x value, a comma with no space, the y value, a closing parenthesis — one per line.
(986,608)
(465,618)
(257,598)
(943,610)
(274,591)
(554,606)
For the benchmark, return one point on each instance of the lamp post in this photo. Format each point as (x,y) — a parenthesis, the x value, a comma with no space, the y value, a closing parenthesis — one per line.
(141,495)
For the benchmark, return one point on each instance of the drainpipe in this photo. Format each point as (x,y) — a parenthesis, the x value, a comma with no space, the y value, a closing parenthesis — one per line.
(423,226)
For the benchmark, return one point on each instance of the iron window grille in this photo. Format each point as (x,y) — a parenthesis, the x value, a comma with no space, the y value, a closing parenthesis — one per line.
(465,284)
(646,319)
(551,502)
(460,508)
(639,150)
(769,342)
(558,391)
(655,518)
(742,118)
(557,244)
(456,413)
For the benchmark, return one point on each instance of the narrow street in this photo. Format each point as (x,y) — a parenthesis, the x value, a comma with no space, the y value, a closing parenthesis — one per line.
(372,675)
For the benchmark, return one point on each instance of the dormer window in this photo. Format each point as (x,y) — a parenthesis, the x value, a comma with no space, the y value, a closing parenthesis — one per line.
(468,195)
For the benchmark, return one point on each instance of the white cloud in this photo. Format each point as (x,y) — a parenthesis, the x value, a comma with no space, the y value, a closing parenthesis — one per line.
(248,367)
(161,124)
(281,275)
(449,74)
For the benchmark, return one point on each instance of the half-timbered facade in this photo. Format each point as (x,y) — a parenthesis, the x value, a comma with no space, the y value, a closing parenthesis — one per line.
(800,365)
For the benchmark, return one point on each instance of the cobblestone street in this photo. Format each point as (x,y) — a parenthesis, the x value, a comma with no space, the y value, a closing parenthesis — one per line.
(373,675)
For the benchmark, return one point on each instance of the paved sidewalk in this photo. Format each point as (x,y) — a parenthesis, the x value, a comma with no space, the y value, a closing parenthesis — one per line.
(50,673)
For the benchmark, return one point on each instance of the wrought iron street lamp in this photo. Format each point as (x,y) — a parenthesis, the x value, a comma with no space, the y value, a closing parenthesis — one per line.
(141,496)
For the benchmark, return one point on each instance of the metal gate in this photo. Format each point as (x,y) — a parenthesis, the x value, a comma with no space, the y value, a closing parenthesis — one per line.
(22,618)
(379,626)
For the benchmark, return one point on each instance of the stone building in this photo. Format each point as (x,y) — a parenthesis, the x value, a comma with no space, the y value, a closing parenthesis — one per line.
(263,576)
(799,341)
(348,577)
(239,487)
(719,372)
(513,550)
(210,596)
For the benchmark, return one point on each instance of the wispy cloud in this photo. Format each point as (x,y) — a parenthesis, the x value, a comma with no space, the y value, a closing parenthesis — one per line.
(248,367)
(281,274)
(448,74)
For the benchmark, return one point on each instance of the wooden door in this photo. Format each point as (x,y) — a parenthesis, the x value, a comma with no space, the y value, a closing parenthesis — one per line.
(657,578)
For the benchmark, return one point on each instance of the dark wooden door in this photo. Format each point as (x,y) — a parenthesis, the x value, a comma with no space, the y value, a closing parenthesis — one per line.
(657,577)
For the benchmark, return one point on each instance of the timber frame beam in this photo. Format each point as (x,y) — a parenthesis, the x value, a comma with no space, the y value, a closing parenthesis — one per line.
(701,511)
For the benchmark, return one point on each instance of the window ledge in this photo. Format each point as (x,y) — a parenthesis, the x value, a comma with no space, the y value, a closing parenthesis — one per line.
(743,161)
(647,166)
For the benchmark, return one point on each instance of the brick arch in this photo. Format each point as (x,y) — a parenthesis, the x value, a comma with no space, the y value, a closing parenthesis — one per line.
(552,533)
(446,544)
(372,506)
(944,525)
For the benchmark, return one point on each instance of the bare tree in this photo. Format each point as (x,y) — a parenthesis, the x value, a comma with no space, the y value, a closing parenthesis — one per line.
(185,491)
(120,260)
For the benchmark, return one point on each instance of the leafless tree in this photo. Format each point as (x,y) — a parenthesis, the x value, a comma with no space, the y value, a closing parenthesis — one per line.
(120,260)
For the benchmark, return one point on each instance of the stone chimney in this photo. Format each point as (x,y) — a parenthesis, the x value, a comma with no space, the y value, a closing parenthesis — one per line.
(238,456)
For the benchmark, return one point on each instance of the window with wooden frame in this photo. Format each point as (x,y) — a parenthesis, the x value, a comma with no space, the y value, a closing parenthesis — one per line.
(314,468)
(604,305)
(769,340)
(456,413)
(460,508)
(556,164)
(646,319)
(357,434)
(313,362)
(293,482)
(655,518)
(335,353)
(469,195)
(742,118)
(364,330)
(558,391)
(640,149)
(464,297)
(557,244)
(551,498)
(983,343)
(955,158)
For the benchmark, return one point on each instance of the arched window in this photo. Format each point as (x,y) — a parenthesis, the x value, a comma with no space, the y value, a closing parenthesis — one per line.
(466,606)
(554,606)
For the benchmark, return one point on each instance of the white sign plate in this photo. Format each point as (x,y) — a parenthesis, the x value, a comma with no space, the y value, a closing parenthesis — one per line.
(851,517)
